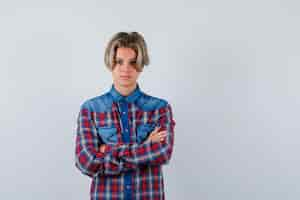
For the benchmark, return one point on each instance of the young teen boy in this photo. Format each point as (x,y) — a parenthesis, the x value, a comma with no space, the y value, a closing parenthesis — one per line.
(124,136)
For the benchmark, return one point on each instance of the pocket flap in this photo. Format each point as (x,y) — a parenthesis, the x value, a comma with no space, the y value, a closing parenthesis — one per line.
(108,134)
(144,130)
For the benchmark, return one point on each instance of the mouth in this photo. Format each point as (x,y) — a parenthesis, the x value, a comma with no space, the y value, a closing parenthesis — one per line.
(125,77)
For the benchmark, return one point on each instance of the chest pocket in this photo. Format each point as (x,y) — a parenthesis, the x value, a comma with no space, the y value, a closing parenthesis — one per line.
(143,131)
(108,134)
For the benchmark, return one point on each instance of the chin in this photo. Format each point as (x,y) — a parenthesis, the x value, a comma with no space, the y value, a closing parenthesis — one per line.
(126,83)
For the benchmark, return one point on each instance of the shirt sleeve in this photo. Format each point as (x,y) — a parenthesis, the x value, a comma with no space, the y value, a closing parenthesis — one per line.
(150,153)
(88,158)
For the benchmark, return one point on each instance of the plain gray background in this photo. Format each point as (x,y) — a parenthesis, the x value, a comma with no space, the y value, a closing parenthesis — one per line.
(229,69)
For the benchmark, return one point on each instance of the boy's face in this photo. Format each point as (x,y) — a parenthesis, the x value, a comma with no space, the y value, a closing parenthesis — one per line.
(124,72)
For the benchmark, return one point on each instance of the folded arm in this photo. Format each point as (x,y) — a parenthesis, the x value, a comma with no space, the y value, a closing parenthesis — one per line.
(149,153)
(88,159)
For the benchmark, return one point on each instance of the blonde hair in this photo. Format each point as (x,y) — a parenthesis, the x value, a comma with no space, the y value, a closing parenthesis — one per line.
(131,40)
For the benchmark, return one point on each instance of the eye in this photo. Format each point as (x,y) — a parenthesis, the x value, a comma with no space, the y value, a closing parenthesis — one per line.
(120,62)
(133,62)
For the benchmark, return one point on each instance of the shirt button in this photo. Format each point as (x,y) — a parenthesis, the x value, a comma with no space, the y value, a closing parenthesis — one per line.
(127,187)
(126,130)
(124,113)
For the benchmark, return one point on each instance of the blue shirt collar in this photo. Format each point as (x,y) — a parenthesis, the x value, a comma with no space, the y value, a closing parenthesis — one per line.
(130,98)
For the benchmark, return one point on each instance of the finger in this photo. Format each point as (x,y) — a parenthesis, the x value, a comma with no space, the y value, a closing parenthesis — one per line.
(163,136)
(154,131)
(162,133)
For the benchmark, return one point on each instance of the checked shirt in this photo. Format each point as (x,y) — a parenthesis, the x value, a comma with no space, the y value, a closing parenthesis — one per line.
(130,168)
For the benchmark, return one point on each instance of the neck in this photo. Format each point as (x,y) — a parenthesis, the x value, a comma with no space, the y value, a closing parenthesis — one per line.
(125,90)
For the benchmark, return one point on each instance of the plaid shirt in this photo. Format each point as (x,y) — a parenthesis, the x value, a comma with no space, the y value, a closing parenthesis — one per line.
(130,168)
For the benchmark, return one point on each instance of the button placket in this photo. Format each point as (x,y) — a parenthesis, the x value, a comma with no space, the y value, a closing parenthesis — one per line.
(128,187)
(126,139)
(124,120)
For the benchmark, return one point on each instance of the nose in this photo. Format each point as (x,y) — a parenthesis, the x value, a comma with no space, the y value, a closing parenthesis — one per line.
(126,67)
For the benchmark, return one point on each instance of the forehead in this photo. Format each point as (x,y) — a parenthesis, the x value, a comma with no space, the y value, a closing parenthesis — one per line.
(125,53)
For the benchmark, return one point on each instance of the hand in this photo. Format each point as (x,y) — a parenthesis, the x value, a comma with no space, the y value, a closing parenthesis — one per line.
(156,136)
(102,148)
